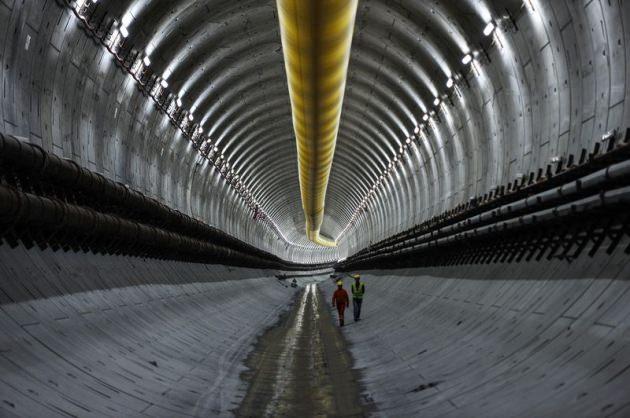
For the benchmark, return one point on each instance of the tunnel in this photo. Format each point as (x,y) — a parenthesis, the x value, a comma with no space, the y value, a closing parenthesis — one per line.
(186,185)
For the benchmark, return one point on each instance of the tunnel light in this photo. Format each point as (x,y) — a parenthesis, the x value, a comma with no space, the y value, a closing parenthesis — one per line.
(488,29)
(191,117)
(425,117)
(416,130)
(436,101)
(408,141)
(200,129)
(179,101)
(124,25)
(164,84)
(556,159)
(449,83)
(146,61)
(608,135)
(124,32)
(467,58)
(126,20)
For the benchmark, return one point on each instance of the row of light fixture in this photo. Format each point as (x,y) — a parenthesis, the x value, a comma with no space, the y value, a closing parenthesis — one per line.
(114,39)
(427,117)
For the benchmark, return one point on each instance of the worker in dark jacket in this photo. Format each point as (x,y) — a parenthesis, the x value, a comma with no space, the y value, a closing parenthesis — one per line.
(358,290)
(340,300)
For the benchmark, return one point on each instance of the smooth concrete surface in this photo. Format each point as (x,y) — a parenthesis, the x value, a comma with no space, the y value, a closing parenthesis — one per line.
(546,339)
(86,335)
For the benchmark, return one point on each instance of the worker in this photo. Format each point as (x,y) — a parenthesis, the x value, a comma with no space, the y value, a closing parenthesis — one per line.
(340,300)
(358,290)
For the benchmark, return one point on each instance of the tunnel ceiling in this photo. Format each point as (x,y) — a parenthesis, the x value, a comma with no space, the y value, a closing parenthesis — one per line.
(422,128)
(225,58)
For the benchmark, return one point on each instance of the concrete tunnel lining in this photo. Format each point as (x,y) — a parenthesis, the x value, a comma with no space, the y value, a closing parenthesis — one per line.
(546,340)
(554,82)
(498,126)
(124,336)
(515,336)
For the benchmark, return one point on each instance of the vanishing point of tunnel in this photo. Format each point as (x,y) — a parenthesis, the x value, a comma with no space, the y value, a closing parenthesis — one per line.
(315,208)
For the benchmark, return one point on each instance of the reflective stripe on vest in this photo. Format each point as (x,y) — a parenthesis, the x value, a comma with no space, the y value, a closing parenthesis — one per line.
(358,294)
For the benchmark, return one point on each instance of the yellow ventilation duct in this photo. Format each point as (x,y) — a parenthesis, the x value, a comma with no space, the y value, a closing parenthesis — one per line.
(316,40)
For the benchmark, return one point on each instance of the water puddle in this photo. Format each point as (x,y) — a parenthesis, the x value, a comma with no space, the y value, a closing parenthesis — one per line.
(301,367)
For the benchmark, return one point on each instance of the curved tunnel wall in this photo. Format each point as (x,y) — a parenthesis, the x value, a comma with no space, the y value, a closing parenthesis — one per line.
(64,92)
(549,89)
(92,335)
(542,339)
(551,85)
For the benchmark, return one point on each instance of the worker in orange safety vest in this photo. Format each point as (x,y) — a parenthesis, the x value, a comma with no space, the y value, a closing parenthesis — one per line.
(340,299)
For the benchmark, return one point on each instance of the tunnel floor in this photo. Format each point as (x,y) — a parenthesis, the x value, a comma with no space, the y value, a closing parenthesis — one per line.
(301,366)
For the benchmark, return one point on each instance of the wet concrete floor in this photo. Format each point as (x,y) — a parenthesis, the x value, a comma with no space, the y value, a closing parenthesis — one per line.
(301,367)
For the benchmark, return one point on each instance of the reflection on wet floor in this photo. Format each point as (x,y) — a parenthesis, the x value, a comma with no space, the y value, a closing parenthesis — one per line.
(301,366)
(287,356)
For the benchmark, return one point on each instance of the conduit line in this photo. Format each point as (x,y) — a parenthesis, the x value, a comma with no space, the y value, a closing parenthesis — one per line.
(316,41)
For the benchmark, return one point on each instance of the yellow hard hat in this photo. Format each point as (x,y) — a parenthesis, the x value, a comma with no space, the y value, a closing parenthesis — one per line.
(339,283)
(356,276)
